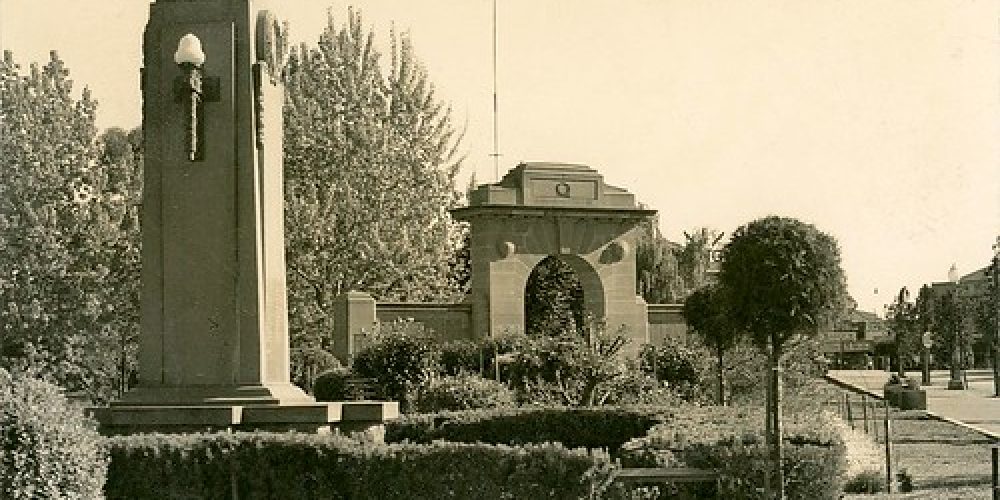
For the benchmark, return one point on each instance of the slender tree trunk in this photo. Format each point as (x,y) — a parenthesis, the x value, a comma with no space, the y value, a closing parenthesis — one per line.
(900,369)
(722,383)
(769,427)
(777,453)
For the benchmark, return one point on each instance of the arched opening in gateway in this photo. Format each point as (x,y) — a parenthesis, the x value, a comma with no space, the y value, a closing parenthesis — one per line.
(554,301)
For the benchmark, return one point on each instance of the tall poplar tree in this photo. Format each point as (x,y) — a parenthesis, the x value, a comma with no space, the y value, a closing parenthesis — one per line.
(370,164)
(65,222)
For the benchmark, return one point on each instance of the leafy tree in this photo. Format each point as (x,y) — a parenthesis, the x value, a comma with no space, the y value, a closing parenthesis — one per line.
(694,259)
(120,158)
(658,277)
(68,244)
(923,309)
(783,280)
(987,319)
(705,312)
(553,299)
(948,336)
(667,272)
(904,325)
(370,163)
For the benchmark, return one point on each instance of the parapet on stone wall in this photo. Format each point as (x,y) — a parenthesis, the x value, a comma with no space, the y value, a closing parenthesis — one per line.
(447,321)
(666,321)
(357,313)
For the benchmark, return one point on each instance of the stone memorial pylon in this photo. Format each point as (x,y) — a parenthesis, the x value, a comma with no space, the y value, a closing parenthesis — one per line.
(214,340)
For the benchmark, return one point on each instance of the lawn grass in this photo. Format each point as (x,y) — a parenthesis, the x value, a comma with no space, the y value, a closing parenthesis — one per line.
(945,461)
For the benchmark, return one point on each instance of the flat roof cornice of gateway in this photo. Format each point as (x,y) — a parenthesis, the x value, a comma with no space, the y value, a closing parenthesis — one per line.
(465,213)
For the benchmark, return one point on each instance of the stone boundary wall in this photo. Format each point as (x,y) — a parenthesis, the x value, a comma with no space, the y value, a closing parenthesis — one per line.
(356,312)
(448,321)
(666,321)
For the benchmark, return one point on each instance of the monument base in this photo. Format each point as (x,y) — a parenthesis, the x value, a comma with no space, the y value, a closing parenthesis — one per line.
(352,417)
(215,395)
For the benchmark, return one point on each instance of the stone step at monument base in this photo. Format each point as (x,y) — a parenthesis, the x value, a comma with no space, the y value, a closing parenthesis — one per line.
(242,395)
(348,417)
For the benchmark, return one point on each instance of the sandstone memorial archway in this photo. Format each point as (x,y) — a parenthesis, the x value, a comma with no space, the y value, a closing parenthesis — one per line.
(554,209)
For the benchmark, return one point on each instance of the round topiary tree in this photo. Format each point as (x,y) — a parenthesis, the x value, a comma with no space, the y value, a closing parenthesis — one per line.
(782,280)
(705,312)
(48,449)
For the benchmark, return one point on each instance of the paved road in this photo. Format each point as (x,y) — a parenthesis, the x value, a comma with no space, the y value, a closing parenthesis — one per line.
(975,407)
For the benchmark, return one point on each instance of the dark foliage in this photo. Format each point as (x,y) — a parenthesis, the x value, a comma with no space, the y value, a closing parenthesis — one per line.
(48,449)
(309,466)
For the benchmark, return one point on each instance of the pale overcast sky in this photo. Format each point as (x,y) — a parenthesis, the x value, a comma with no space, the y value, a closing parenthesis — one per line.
(876,120)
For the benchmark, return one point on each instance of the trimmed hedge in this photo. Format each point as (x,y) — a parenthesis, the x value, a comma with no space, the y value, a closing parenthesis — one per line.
(48,449)
(731,441)
(309,466)
(596,427)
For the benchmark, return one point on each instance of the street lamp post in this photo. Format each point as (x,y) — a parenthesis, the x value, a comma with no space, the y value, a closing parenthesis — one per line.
(925,378)
(957,380)
(996,312)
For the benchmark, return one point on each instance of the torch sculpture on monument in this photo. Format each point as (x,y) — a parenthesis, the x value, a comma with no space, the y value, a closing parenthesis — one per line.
(213,350)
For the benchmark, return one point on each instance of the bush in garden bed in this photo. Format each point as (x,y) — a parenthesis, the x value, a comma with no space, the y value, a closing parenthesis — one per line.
(731,440)
(48,449)
(400,357)
(461,356)
(594,427)
(309,466)
(332,385)
(462,392)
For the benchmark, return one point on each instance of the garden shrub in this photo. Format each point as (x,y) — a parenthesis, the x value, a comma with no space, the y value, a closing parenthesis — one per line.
(577,367)
(637,388)
(595,427)
(332,386)
(731,441)
(310,466)
(682,367)
(307,363)
(461,356)
(48,448)
(466,391)
(866,482)
(400,357)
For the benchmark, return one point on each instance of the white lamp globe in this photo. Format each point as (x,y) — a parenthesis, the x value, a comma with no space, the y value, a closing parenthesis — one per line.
(189,51)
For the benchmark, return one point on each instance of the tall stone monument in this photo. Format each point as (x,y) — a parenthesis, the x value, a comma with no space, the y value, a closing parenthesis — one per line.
(214,339)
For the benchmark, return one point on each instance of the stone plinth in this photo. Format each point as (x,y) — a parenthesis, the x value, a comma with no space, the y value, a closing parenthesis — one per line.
(348,417)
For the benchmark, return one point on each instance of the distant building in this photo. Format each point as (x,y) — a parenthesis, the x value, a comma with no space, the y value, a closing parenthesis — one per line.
(855,339)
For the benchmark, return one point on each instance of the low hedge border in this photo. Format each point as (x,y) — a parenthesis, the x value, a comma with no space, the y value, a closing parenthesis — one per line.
(308,466)
(731,441)
(593,428)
